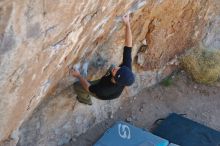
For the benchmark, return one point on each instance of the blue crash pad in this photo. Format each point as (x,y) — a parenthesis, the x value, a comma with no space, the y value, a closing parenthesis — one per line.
(185,132)
(124,134)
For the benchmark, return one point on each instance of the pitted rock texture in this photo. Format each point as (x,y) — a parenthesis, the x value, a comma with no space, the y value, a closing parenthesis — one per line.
(39,39)
(59,119)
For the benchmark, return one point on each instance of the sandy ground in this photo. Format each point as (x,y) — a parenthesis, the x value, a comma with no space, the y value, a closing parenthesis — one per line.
(199,102)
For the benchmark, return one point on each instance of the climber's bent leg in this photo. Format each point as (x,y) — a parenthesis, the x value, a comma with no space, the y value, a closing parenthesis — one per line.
(83,96)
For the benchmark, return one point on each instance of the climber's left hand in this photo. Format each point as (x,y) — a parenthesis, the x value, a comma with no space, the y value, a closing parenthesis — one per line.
(75,73)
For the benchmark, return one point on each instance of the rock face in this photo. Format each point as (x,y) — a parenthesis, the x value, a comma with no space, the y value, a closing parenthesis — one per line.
(39,39)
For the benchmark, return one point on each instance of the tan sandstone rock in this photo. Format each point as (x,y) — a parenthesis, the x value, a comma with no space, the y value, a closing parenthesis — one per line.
(39,39)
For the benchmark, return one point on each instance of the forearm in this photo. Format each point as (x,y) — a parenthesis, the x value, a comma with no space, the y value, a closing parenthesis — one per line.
(128,35)
(84,83)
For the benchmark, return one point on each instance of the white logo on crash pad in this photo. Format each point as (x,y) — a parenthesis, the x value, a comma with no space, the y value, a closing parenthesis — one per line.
(124,131)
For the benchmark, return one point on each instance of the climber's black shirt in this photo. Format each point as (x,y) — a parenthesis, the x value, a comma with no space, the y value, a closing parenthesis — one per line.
(107,90)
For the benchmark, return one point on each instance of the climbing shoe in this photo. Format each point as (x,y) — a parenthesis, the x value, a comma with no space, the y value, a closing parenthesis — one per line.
(84,101)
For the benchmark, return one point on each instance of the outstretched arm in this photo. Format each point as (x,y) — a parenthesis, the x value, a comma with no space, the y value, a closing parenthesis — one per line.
(127,60)
(82,80)
(128,34)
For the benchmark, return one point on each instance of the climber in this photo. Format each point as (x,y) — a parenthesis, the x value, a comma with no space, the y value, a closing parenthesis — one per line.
(111,85)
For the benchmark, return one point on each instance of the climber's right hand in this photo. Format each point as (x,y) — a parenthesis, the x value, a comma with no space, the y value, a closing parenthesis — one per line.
(126,19)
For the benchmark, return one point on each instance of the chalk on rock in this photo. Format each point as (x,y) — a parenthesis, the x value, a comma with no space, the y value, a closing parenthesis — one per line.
(76,67)
(85,69)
